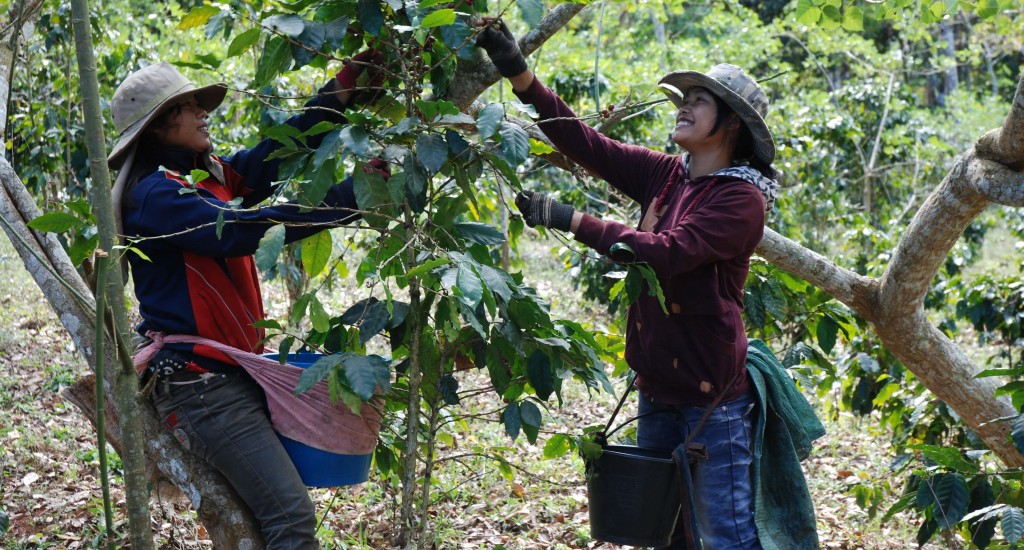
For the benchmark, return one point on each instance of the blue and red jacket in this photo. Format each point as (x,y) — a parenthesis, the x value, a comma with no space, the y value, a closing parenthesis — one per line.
(194,282)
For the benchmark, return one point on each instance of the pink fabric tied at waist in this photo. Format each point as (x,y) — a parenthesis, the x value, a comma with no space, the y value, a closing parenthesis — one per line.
(309,418)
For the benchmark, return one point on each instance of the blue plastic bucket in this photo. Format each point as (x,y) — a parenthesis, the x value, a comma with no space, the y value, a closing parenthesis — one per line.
(316,467)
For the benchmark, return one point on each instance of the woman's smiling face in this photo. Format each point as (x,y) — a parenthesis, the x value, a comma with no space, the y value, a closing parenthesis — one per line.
(695,120)
(186,126)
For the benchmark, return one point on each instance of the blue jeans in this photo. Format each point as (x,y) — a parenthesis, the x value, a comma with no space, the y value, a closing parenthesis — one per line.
(724,499)
(223,420)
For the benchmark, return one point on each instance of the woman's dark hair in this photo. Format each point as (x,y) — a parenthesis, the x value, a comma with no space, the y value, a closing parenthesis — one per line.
(744,141)
(147,151)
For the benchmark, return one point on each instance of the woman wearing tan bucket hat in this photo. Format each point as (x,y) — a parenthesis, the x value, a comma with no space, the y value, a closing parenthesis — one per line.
(195,276)
(702,214)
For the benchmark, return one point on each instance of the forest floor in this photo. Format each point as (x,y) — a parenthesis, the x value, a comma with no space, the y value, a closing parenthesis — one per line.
(49,487)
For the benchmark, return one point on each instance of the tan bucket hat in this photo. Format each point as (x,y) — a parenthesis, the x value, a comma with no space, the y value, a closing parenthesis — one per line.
(144,95)
(738,90)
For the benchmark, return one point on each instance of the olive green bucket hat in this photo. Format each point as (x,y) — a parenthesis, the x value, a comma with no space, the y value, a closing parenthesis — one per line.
(144,95)
(738,90)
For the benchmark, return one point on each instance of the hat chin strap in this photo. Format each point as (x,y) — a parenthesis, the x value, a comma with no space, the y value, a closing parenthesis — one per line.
(213,167)
(116,198)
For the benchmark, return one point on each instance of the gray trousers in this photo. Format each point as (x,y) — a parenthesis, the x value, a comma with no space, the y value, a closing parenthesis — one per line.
(224,421)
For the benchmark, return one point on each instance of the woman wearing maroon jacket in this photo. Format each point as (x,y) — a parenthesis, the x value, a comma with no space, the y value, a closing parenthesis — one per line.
(701,216)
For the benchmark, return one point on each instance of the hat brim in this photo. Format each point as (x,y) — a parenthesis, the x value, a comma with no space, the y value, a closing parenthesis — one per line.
(208,97)
(674,85)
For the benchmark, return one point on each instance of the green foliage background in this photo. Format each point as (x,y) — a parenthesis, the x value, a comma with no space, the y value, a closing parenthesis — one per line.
(864,104)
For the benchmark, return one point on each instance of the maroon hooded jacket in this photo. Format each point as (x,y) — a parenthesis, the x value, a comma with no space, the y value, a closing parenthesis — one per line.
(691,354)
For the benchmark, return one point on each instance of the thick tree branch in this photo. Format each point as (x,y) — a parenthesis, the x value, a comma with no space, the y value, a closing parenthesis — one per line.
(1005,145)
(999,184)
(930,236)
(841,283)
(949,373)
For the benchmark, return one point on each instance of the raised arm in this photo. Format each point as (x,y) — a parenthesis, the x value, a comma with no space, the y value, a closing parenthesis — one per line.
(629,168)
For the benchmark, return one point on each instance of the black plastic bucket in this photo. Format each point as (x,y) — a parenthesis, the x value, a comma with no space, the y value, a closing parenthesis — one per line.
(633,496)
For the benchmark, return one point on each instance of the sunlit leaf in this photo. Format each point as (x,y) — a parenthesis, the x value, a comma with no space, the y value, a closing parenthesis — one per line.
(653,285)
(945,456)
(807,12)
(987,8)
(197,17)
(318,316)
(538,147)
(853,19)
(83,248)
(316,252)
(438,18)
(557,446)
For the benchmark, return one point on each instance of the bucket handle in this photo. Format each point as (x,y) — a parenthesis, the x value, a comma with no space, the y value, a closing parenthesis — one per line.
(603,435)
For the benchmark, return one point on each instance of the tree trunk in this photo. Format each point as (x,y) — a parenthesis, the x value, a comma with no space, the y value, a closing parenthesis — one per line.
(951,78)
(125,380)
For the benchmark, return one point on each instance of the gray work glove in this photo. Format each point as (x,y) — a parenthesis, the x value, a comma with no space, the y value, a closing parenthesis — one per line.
(501,47)
(540,209)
